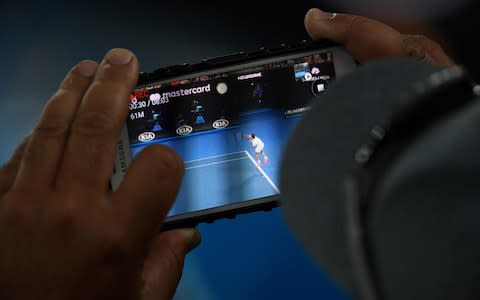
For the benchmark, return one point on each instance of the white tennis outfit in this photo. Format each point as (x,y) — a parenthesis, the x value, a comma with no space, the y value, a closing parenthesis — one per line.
(258,144)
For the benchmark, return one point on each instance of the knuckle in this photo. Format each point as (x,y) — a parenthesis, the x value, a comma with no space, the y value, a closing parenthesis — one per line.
(429,44)
(54,121)
(419,37)
(64,216)
(117,242)
(426,49)
(424,41)
(413,46)
(94,124)
(52,127)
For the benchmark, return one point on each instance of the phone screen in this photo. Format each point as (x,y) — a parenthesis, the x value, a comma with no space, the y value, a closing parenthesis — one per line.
(230,125)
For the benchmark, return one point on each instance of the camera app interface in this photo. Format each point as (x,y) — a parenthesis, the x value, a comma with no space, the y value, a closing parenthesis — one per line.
(229,127)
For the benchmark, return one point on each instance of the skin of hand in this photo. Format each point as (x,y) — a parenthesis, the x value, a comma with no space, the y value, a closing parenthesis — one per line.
(63,234)
(367,39)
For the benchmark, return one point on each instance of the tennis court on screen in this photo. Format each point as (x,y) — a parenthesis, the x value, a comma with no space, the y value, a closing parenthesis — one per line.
(220,180)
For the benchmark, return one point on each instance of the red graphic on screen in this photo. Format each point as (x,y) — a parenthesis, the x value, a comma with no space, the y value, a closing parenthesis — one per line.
(139,94)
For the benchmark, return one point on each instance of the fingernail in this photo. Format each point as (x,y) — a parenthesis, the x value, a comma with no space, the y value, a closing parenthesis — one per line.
(194,237)
(119,56)
(321,15)
(87,68)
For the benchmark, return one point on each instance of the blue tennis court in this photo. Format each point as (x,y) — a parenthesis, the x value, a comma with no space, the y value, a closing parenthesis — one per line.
(219,165)
(220,180)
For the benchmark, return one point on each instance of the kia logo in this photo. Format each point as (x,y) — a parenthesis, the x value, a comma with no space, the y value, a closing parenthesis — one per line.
(220,123)
(184,130)
(146,137)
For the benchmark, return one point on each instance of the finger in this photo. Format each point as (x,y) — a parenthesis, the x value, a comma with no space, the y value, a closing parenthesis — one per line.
(44,151)
(9,170)
(424,48)
(148,190)
(89,153)
(164,264)
(365,39)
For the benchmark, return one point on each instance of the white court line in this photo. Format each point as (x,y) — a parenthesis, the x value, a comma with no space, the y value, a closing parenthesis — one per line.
(263,172)
(208,157)
(215,163)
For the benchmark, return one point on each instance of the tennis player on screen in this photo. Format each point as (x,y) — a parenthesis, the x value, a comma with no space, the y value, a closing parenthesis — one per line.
(258,144)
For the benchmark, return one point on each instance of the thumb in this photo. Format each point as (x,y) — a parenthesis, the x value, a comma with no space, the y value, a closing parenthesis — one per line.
(367,39)
(164,265)
(363,38)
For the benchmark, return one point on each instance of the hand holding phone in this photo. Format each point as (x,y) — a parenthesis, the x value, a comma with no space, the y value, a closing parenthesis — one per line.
(355,34)
(63,235)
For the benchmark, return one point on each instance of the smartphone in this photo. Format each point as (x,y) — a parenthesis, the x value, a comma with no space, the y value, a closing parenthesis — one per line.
(228,118)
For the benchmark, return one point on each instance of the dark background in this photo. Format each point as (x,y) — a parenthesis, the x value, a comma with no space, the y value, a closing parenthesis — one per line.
(251,257)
